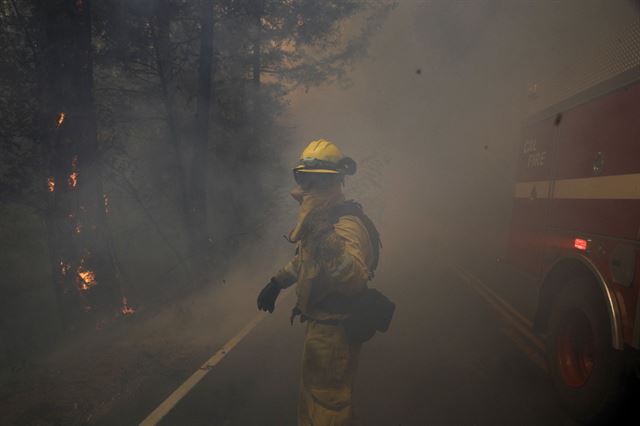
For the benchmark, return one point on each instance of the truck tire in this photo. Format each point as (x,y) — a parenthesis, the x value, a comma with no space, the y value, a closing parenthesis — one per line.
(586,371)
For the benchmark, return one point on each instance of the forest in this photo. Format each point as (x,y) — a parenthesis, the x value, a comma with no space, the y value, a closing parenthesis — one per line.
(141,147)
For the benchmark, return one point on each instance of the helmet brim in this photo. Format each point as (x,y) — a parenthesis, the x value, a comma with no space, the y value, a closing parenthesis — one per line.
(302,169)
(326,171)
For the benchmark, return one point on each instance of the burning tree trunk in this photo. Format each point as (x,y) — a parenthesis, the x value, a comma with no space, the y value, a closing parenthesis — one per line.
(82,266)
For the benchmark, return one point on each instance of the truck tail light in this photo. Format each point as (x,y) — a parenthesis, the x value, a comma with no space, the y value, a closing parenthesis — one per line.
(580,244)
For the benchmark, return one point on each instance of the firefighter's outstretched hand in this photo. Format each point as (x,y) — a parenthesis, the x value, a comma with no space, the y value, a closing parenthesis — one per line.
(268,295)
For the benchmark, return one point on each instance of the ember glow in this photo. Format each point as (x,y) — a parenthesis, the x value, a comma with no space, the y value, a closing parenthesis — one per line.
(126,309)
(87,278)
(51,184)
(101,324)
(73,179)
(64,268)
(532,90)
(60,120)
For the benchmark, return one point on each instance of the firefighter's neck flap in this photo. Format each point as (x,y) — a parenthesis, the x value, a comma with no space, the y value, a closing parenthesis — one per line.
(312,205)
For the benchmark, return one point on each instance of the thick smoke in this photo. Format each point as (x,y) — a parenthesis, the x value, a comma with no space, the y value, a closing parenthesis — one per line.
(441,101)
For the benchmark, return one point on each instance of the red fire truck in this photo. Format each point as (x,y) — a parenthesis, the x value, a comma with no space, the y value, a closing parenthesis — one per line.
(576,231)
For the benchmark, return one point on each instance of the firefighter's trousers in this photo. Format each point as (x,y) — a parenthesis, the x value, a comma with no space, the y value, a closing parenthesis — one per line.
(328,373)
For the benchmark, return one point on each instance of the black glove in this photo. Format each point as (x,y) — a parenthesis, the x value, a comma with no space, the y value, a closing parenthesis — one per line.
(268,295)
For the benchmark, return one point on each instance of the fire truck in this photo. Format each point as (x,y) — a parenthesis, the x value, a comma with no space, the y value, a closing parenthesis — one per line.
(575,231)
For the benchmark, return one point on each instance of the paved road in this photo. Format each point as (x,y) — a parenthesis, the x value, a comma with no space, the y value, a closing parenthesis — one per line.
(448,359)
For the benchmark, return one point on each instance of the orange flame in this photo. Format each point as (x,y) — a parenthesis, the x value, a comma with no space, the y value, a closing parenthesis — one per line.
(88,278)
(73,179)
(78,228)
(51,184)
(60,120)
(126,309)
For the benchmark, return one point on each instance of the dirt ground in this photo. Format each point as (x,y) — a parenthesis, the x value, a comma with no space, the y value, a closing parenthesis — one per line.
(84,379)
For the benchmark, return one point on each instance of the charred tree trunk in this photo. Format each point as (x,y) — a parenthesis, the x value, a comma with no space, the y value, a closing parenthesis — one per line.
(82,268)
(198,229)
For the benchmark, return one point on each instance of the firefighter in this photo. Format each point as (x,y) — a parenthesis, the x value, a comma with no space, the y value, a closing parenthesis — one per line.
(335,257)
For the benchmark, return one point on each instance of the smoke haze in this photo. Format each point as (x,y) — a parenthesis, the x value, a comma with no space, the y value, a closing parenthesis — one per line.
(432,116)
(440,102)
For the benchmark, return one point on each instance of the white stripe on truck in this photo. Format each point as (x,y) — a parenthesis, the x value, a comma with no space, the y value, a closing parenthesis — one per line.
(616,187)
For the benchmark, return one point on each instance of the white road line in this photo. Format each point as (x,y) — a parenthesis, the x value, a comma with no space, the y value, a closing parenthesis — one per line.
(521,333)
(501,301)
(168,404)
(534,355)
(509,312)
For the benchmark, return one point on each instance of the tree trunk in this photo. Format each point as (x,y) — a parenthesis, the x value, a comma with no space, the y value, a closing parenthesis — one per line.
(257,67)
(82,268)
(255,12)
(198,229)
(162,50)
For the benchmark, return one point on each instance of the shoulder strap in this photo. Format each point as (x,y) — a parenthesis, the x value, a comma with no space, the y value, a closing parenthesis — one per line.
(353,208)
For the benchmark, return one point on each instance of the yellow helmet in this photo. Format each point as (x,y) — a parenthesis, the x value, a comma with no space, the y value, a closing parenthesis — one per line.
(323,156)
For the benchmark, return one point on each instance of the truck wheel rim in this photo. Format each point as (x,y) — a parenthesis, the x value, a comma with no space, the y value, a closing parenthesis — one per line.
(575,349)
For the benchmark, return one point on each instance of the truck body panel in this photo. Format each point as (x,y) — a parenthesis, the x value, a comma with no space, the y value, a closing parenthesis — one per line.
(578,177)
